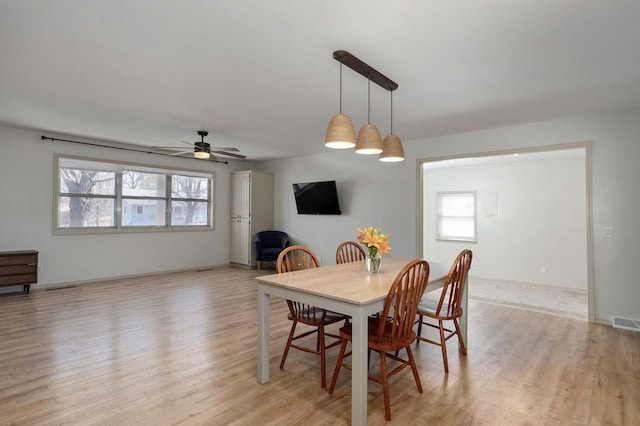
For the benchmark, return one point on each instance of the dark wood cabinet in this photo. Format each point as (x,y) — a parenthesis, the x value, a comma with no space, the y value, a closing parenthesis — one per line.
(19,268)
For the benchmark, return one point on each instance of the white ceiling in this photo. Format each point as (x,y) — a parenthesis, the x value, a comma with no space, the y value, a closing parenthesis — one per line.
(260,75)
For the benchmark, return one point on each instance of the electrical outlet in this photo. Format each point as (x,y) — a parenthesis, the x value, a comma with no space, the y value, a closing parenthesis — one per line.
(543,269)
(40,268)
(319,258)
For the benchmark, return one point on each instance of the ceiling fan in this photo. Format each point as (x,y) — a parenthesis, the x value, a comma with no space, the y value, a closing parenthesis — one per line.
(204,150)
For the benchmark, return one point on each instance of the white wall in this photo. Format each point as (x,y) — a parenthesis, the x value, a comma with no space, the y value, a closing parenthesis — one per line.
(371,193)
(384,195)
(26,216)
(530,214)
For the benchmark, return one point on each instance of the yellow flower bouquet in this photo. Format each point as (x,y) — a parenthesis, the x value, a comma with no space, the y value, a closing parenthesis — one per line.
(376,243)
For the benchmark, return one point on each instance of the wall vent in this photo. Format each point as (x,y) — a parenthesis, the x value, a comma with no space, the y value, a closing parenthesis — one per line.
(626,323)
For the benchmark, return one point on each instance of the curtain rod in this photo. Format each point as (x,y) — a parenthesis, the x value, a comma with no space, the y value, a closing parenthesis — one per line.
(43,137)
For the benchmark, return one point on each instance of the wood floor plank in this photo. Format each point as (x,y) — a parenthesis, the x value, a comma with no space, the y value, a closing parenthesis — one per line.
(180,349)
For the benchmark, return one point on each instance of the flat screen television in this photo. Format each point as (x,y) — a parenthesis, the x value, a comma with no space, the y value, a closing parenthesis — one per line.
(317,197)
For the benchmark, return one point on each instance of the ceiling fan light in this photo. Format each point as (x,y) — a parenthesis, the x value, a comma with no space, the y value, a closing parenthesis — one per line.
(202,149)
(369,140)
(340,133)
(392,150)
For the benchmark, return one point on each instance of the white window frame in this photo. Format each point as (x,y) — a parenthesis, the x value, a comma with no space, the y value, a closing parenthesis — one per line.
(67,161)
(464,216)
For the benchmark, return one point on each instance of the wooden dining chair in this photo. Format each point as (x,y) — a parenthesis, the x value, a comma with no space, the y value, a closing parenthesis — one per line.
(447,307)
(393,331)
(295,258)
(350,251)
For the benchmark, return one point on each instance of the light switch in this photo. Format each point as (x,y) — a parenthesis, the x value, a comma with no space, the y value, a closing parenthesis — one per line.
(607,232)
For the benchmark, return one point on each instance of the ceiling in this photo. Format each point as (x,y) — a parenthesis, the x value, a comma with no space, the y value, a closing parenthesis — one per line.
(260,75)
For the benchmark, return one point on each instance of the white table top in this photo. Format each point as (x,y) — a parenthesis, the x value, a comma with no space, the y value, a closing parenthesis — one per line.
(349,282)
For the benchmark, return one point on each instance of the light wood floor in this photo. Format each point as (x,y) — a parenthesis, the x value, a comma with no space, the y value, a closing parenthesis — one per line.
(181,349)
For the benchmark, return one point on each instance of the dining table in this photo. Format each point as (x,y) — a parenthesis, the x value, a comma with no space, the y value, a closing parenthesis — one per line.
(348,289)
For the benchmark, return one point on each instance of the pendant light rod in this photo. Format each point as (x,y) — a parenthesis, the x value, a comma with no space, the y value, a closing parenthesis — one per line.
(367,71)
(340,88)
(391,115)
(369,102)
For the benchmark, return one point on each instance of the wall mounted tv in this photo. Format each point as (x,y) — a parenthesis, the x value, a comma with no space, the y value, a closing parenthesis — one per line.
(317,197)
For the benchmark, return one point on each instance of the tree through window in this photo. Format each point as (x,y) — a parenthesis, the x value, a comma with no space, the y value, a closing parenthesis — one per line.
(100,195)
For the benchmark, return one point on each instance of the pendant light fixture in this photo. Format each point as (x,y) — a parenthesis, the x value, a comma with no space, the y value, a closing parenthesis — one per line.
(340,133)
(369,140)
(391,145)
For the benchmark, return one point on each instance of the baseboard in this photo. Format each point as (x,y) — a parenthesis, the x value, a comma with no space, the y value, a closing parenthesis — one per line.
(504,280)
(121,277)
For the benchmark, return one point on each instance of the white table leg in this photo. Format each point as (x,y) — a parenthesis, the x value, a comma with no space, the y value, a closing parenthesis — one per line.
(359,369)
(263,336)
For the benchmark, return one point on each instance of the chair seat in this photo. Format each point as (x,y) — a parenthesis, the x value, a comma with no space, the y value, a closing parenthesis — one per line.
(429,306)
(313,316)
(270,253)
(388,343)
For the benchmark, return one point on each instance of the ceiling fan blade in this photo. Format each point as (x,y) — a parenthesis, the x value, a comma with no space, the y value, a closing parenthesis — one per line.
(182,152)
(168,147)
(225,148)
(230,154)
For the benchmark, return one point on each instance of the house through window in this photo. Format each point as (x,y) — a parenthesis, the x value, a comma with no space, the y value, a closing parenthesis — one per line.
(102,195)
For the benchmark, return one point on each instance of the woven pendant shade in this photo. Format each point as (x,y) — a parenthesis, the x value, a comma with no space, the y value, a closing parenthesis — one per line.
(369,140)
(340,133)
(392,149)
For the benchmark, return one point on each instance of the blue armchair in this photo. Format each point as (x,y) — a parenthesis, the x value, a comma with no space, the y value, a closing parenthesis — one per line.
(269,244)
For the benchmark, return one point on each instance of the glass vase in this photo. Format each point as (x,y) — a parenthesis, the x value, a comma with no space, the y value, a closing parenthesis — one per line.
(374,263)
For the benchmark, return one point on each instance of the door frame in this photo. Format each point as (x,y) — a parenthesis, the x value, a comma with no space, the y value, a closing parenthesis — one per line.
(586,145)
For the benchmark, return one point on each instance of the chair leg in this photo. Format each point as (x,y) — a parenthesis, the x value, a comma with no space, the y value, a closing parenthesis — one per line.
(385,385)
(414,368)
(288,346)
(443,345)
(336,371)
(323,366)
(463,348)
(259,262)
(420,319)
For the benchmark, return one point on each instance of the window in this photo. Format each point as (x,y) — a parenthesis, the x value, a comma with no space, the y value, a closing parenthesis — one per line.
(456,216)
(189,199)
(96,195)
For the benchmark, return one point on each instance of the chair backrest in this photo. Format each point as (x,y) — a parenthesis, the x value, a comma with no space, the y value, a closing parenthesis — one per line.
(449,303)
(350,251)
(271,239)
(401,304)
(296,258)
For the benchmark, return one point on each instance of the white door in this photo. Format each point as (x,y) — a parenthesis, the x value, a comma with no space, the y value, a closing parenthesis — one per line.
(240,195)
(240,241)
